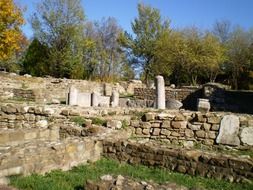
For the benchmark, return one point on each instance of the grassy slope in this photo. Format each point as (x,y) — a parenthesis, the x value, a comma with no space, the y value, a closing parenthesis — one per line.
(74,179)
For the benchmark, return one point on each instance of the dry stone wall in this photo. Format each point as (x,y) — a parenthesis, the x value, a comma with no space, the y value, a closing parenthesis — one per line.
(189,128)
(192,162)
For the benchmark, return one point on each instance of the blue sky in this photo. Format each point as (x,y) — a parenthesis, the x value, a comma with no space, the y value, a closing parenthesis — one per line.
(182,13)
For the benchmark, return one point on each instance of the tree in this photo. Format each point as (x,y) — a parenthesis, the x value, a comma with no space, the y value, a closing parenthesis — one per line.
(36,60)
(59,25)
(222,29)
(103,56)
(238,65)
(11,36)
(147,27)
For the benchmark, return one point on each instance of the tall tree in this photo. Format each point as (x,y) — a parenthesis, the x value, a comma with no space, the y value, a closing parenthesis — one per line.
(11,37)
(59,25)
(147,27)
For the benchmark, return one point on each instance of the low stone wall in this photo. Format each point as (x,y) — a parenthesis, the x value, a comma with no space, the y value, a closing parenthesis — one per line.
(15,137)
(41,157)
(178,94)
(189,128)
(192,162)
(18,94)
(19,116)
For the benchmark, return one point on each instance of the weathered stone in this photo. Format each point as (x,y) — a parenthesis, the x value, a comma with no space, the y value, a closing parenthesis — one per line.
(175,134)
(247,135)
(42,124)
(65,112)
(114,124)
(173,104)
(146,131)
(206,126)
(149,116)
(160,92)
(94,99)
(194,127)
(188,144)
(145,125)
(166,124)
(115,99)
(214,120)
(179,124)
(211,135)
(107,90)
(135,123)
(215,127)
(156,132)
(72,96)
(189,133)
(163,116)
(229,129)
(200,134)
(179,117)
(138,131)
(203,105)
(165,132)
(155,125)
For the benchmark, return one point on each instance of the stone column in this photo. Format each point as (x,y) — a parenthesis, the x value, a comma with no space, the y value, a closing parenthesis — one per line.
(73,93)
(94,99)
(160,92)
(115,99)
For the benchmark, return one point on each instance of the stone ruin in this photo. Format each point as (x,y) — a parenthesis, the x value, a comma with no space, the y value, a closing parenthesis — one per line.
(37,137)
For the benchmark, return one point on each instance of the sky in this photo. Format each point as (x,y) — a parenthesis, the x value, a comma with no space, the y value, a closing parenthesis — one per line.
(182,13)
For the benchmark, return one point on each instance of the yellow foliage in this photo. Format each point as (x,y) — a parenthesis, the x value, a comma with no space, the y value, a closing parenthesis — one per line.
(10,34)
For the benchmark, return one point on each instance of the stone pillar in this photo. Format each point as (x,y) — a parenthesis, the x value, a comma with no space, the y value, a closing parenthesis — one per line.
(203,105)
(94,99)
(115,99)
(160,92)
(73,93)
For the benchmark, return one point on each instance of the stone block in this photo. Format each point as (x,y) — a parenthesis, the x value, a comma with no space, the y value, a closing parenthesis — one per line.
(29,135)
(149,116)
(206,126)
(200,134)
(189,133)
(4,137)
(165,132)
(247,136)
(175,134)
(156,125)
(179,117)
(211,135)
(42,124)
(138,131)
(145,125)
(84,99)
(215,127)
(146,131)
(173,104)
(195,126)
(166,124)
(16,136)
(203,105)
(179,124)
(214,120)
(229,130)
(156,132)
(135,123)
(44,134)
(114,124)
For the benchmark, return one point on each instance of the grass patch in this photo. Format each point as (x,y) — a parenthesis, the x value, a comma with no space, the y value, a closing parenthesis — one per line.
(75,178)
(98,121)
(78,120)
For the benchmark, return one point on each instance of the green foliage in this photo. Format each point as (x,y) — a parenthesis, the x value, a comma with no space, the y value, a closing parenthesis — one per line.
(78,120)
(75,178)
(59,25)
(36,60)
(124,124)
(147,27)
(98,121)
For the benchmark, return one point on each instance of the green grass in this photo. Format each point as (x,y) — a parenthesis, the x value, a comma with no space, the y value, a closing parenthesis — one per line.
(75,178)
(78,120)
(98,121)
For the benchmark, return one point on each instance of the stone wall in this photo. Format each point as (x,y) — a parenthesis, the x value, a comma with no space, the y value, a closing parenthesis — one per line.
(192,162)
(188,96)
(41,157)
(48,89)
(189,128)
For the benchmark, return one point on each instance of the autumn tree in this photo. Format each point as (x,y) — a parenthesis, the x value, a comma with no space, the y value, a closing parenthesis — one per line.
(11,37)
(59,25)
